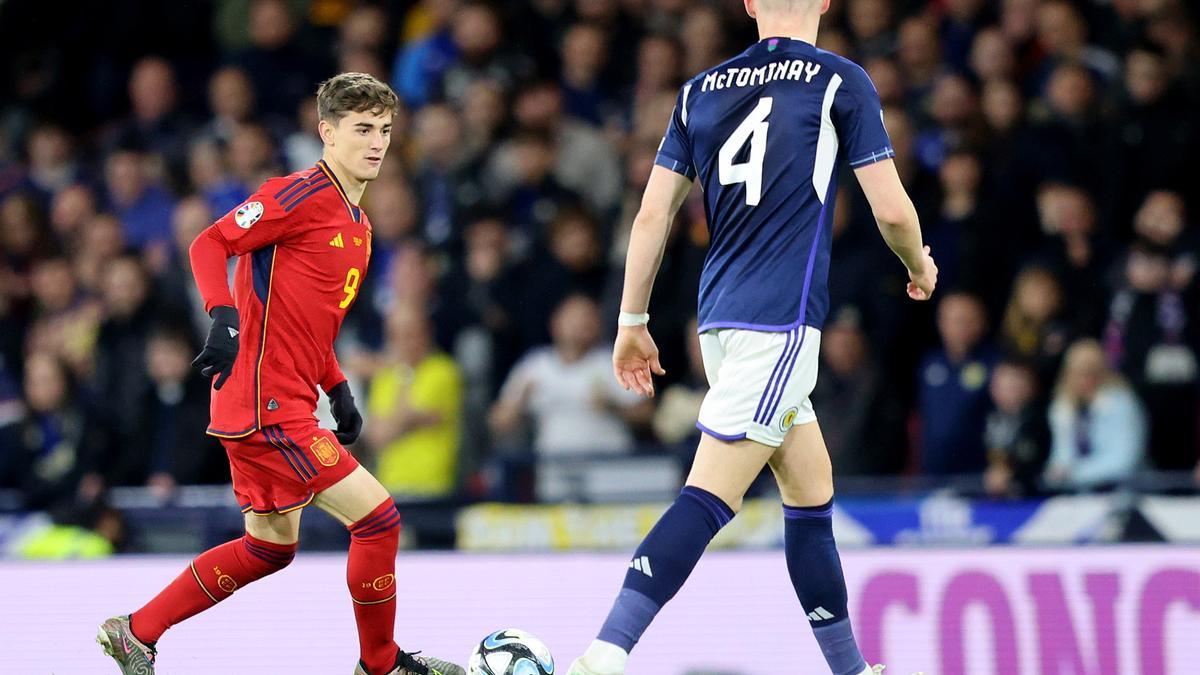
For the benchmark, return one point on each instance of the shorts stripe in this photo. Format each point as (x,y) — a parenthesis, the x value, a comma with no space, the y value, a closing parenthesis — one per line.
(283,450)
(298,452)
(306,466)
(791,367)
(774,374)
(780,383)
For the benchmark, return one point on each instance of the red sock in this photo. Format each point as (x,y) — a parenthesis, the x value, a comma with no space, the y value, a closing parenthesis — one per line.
(371,575)
(213,576)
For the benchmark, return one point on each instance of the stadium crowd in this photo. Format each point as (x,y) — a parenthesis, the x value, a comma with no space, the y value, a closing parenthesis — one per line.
(1047,144)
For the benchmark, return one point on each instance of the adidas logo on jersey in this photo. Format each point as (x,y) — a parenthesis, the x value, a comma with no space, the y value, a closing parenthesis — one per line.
(272,405)
(819,614)
(642,565)
(337,241)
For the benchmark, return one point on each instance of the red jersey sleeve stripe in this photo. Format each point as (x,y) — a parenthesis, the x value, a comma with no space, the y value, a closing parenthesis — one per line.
(311,191)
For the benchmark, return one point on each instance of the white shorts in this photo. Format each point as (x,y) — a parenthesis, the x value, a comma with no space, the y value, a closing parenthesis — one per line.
(759,382)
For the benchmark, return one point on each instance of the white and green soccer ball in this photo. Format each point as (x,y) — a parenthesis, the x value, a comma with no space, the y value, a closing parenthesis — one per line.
(511,652)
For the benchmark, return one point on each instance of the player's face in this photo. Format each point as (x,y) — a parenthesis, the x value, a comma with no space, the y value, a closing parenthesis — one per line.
(359,141)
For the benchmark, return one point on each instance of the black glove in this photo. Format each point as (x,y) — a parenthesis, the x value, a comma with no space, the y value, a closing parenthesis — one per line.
(341,404)
(221,347)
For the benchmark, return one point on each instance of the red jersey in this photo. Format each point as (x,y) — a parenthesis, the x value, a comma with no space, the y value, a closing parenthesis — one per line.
(303,249)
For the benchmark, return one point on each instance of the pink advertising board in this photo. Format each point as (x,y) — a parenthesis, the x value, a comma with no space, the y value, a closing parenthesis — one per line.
(999,611)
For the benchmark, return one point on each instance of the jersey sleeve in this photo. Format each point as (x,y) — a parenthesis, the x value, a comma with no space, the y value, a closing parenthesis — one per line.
(332,375)
(675,151)
(858,115)
(257,222)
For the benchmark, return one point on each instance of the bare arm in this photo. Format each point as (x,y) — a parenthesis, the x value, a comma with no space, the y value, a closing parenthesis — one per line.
(665,192)
(635,356)
(899,225)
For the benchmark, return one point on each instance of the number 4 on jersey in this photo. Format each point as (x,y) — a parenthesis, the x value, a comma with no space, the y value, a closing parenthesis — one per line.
(749,172)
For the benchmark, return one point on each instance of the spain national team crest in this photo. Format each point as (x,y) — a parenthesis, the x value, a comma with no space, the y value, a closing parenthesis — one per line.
(324,451)
(788,419)
(248,214)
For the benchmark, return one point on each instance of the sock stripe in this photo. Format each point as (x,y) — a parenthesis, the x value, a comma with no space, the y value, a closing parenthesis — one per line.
(715,506)
(809,512)
(366,522)
(373,602)
(196,574)
(386,524)
(268,555)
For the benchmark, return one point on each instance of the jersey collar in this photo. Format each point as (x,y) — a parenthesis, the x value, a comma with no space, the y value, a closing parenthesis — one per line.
(355,212)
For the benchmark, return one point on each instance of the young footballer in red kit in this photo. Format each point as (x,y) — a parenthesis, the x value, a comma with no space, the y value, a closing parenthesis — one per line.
(303,245)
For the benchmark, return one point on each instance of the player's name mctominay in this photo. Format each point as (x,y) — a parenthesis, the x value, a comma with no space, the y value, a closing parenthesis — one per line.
(792,69)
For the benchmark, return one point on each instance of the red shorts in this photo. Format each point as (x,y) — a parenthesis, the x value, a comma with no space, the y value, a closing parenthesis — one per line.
(279,468)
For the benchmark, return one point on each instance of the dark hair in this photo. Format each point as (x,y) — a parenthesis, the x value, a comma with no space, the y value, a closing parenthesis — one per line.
(354,92)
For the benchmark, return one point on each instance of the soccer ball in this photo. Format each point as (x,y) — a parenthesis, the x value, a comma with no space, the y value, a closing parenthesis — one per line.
(511,652)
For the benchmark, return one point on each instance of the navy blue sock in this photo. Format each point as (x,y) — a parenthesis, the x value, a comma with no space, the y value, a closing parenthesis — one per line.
(816,572)
(663,562)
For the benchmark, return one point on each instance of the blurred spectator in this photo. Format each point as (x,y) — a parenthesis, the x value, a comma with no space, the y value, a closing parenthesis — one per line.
(53,432)
(530,194)
(483,53)
(175,416)
(678,407)
(953,389)
(1016,436)
(424,59)
(143,206)
(415,404)
(276,61)
(861,420)
(208,173)
(175,285)
(1153,136)
(70,209)
(231,101)
(1033,328)
(1075,252)
(1068,132)
(1062,36)
(75,533)
(155,123)
(120,382)
(444,177)
(584,55)
(583,160)
(65,320)
(571,262)
(52,163)
(870,24)
(1097,426)
(484,111)
(569,392)
(1152,339)
(704,38)
(303,147)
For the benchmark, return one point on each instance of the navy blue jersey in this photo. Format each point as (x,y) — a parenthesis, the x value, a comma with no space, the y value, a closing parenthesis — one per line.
(765,132)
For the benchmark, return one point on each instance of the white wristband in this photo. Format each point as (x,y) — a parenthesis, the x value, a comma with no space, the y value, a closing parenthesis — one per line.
(631,319)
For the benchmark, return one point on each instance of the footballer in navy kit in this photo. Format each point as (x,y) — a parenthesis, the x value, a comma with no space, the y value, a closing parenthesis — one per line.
(764,134)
